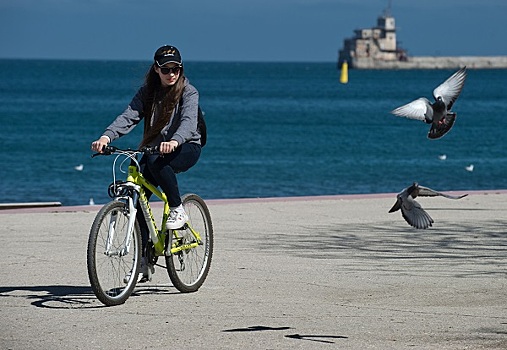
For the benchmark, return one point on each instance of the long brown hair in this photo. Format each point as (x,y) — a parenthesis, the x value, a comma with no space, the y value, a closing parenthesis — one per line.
(168,97)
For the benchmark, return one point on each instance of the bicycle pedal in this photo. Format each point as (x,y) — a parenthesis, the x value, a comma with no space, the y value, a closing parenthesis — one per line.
(182,228)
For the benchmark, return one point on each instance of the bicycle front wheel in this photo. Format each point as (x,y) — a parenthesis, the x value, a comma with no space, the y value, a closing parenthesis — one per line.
(114,255)
(189,267)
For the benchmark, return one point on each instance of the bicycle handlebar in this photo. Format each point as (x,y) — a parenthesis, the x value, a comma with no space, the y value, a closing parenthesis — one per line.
(108,150)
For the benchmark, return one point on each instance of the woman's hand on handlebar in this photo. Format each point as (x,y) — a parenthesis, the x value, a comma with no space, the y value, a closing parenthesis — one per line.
(100,144)
(168,147)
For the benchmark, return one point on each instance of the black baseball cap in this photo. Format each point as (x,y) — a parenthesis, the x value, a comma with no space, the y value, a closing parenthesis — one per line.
(167,54)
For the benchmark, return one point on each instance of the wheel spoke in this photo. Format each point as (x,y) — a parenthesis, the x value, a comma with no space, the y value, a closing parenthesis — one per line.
(189,267)
(108,266)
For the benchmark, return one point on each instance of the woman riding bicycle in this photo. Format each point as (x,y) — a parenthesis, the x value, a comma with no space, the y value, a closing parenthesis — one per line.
(168,103)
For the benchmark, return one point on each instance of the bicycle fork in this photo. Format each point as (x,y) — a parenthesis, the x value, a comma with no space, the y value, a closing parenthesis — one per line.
(125,250)
(110,234)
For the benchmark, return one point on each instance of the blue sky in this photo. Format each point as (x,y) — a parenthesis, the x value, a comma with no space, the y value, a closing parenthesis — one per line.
(242,30)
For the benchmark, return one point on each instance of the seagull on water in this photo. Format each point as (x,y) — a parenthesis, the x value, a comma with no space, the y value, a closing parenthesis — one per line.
(470,167)
(411,210)
(442,157)
(438,114)
(79,167)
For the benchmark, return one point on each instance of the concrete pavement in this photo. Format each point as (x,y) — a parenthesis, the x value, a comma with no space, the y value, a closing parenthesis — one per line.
(334,272)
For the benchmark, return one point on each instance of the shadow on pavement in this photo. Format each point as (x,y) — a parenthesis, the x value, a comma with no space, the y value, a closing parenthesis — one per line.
(307,337)
(71,297)
(452,242)
(54,297)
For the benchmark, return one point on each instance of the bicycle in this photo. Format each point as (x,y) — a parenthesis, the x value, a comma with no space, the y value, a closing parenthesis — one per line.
(115,246)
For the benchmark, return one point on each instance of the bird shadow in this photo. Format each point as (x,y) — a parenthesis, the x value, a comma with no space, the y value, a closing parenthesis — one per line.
(316,337)
(255,329)
(308,337)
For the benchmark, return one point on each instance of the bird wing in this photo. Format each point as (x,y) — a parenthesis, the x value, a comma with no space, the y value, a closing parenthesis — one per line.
(419,109)
(450,89)
(414,214)
(428,192)
(396,206)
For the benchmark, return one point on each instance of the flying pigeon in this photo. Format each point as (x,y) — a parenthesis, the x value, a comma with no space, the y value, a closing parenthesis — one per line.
(438,114)
(411,210)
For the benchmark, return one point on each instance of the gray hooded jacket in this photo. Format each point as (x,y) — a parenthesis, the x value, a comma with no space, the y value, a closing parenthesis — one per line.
(182,126)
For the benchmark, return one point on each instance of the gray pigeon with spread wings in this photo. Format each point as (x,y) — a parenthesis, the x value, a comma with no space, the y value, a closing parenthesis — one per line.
(438,114)
(411,210)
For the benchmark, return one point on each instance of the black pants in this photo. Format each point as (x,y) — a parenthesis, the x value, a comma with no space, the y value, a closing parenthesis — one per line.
(161,171)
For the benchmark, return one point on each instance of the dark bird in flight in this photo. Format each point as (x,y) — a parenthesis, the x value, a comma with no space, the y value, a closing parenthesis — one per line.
(438,114)
(411,210)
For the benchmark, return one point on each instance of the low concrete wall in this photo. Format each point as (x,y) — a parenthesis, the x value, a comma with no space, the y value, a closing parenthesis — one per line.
(435,62)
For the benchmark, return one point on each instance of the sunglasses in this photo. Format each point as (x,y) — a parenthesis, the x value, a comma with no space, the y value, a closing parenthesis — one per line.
(175,70)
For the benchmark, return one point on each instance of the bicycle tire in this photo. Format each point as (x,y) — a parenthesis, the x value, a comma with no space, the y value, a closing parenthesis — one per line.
(108,272)
(188,269)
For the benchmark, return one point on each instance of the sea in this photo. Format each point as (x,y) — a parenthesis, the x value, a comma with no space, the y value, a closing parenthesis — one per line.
(274,130)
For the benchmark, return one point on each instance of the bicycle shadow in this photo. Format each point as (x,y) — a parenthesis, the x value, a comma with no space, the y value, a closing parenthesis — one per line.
(72,297)
(154,289)
(54,296)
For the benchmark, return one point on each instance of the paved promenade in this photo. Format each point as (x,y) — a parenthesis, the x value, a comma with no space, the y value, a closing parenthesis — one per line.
(295,273)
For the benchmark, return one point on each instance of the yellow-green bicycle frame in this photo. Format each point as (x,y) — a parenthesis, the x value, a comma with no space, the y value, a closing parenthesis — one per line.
(158,237)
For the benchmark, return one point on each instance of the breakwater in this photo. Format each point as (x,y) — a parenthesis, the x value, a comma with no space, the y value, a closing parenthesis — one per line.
(433,62)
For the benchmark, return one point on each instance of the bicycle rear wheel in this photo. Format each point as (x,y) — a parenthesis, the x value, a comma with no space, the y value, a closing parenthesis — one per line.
(189,268)
(113,258)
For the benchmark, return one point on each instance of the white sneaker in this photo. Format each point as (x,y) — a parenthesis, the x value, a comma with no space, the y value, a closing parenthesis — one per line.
(177,218)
